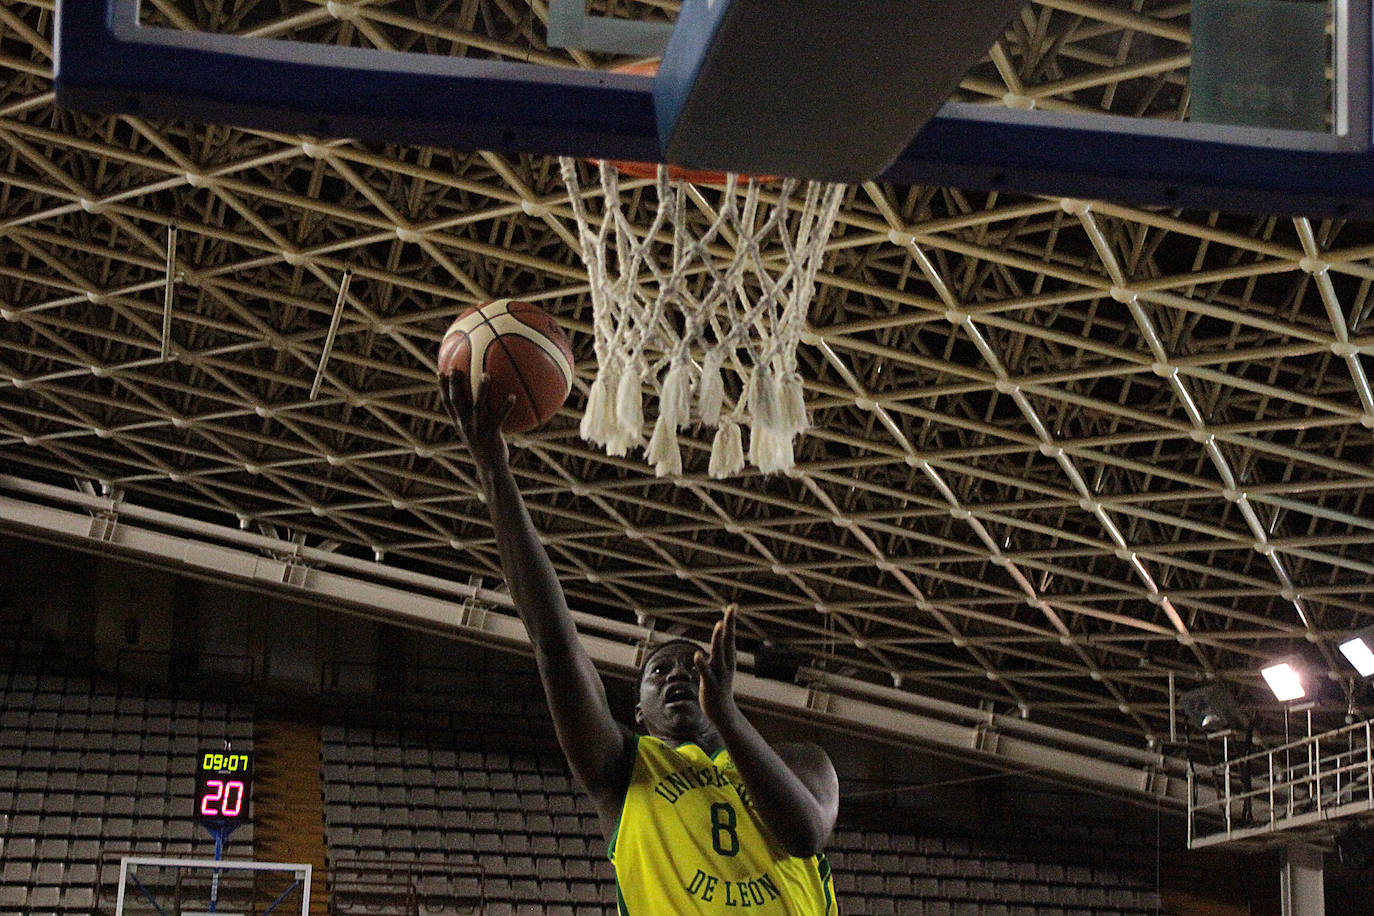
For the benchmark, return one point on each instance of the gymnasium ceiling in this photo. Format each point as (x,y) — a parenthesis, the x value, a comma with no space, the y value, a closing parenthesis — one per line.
(1020,491)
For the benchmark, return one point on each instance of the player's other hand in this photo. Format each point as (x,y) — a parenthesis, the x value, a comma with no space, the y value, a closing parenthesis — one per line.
(716,669)
(478,425)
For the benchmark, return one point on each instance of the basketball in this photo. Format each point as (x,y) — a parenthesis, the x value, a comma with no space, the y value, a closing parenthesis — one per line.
(522,351)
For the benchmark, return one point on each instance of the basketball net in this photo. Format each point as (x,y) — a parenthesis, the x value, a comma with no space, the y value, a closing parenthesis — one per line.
(701,310)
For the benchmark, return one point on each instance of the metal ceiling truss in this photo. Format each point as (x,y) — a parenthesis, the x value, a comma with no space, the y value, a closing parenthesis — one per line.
(1064,453)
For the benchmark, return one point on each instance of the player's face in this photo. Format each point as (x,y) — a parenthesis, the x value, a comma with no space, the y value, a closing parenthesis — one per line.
(669,702)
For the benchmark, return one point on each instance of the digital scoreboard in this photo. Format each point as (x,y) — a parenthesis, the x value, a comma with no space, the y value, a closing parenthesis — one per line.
(224,784)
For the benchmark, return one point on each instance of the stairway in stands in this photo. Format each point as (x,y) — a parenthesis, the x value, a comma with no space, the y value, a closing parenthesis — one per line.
(288,802)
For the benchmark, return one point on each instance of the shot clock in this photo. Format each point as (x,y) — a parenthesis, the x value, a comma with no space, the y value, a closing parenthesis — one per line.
(224,784)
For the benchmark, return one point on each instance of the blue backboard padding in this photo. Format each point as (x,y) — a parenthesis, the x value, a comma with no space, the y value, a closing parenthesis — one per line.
(512,107)
(1125,160)
(345,92)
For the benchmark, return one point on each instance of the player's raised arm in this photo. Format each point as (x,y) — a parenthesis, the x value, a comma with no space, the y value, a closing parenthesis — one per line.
(794,786)
(596,744)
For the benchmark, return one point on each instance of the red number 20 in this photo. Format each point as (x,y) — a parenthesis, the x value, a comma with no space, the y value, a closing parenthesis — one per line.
(222,799)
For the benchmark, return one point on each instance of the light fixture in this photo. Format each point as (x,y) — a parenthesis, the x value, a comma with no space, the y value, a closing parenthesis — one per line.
(1359,650)
(1285,680)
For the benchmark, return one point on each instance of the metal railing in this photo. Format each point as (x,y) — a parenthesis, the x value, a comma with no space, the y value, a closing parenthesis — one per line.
(1300,785)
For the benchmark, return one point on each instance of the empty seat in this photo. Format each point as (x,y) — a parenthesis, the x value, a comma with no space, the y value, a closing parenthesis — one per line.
(586,892)
(20,848)
(488,843)
(54,848)
(78,898)
(525,889)
(119,805)
(84,850)
(81,874)
(518,866)
(24,825)
(925,887)
(982,889)
(44,898)
(398,841)
(881,906)
(16,873)
(561,803)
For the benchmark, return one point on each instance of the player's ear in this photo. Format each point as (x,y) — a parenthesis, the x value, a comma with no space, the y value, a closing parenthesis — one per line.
(639,715)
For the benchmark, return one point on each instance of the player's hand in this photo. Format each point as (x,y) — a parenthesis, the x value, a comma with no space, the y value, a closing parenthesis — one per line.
(716,670)
(478,425)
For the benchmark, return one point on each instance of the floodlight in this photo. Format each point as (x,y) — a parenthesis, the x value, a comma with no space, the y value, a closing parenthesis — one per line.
(1285,680)
(1359,650)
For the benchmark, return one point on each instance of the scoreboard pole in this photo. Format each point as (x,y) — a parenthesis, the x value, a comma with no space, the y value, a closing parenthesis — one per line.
(224,783)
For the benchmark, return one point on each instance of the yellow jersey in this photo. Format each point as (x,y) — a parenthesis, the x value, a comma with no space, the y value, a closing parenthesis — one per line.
(689,844)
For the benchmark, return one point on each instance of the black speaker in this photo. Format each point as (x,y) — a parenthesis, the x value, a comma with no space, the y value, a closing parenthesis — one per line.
(1355,847)
(1212,709)
(777,663)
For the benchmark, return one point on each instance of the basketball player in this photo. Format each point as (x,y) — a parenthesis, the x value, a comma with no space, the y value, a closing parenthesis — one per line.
(702,815)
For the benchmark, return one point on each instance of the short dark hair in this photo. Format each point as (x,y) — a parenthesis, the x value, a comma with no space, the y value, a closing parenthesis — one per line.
(677,641)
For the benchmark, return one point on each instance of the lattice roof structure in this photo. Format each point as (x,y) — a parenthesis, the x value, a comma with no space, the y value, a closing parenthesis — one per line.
(1063,453)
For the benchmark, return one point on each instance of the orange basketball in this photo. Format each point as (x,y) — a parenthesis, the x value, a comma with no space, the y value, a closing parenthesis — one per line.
(521,350)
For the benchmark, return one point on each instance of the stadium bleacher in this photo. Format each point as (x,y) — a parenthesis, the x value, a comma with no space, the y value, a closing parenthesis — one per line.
(460,800)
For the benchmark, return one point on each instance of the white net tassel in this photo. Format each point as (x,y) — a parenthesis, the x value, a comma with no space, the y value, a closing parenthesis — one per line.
(664,451)
(629,411)
(793,402)
(770,438)
(763,401)
(675,403)
(770,449)
(711,391)
(727,450)
(596,422)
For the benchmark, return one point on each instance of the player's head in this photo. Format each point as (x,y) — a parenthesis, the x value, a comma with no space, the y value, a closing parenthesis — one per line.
(672,646)
(669,705)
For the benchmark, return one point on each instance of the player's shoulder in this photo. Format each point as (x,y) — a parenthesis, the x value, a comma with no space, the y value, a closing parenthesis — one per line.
(650,744)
